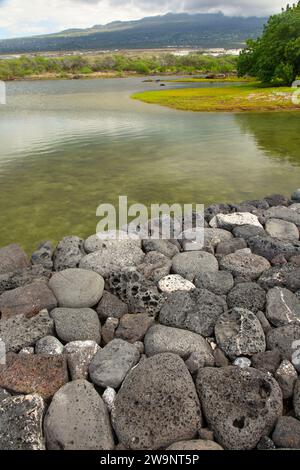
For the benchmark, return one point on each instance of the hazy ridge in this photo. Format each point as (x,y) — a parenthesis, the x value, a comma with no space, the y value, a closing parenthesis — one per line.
(171,30)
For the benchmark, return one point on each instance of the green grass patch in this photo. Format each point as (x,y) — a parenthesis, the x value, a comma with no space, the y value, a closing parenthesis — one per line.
(236,98)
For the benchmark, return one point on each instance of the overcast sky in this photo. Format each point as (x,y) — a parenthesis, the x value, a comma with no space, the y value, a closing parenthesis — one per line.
(28,17)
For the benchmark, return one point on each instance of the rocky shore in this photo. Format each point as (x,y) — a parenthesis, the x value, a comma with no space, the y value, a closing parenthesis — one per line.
(155,344)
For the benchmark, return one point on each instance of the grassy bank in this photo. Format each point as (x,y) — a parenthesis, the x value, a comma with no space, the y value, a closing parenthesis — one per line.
(113,65)
(248,97)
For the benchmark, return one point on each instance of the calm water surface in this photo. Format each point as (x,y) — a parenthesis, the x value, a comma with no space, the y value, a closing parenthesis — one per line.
(67,146)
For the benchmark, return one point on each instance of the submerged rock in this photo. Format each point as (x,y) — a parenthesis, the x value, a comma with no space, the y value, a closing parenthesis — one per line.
(43,255)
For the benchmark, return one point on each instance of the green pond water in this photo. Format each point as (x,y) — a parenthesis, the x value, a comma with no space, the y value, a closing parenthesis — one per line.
(68,146)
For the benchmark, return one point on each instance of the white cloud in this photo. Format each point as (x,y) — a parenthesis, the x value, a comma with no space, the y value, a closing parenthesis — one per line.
(26,17)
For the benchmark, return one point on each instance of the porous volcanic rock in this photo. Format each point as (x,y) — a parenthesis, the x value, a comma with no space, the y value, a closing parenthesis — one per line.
(21,420)
(157,404)
(34,373)
(240,405)
(195,311)
(239,333)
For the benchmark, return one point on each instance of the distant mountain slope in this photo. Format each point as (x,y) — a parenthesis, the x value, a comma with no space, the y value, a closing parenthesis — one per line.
(171,30)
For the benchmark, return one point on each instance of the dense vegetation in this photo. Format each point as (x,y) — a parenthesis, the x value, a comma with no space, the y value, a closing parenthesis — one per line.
(201,30)
(69,66)
(275,56)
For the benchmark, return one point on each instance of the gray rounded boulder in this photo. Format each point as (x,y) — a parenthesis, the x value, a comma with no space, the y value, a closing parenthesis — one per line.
(220,282)
(243,264)
(76,324)
(111,364)
(157,405)
(77,419)
(160,339)
(189,264)
(240,405)
(76,288)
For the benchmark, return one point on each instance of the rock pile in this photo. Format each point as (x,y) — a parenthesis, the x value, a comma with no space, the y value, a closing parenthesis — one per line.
(156,344)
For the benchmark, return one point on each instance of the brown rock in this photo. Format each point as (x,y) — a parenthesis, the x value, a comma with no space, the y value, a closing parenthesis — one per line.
(197,444)
(34,373)
(279,260)
(220,358)
(206,434)
(108,329)
(287,433)
(27,300)
(111,306)
(12,258)
(133,327)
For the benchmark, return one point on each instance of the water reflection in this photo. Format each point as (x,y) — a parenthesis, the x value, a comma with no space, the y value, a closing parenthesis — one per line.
(276,134)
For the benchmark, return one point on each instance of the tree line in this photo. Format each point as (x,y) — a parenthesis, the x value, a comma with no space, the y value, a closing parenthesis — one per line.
(26,66)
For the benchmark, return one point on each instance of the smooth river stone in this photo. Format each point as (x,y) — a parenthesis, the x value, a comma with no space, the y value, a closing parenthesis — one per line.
(189,264)
(77,419)
(76,288)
